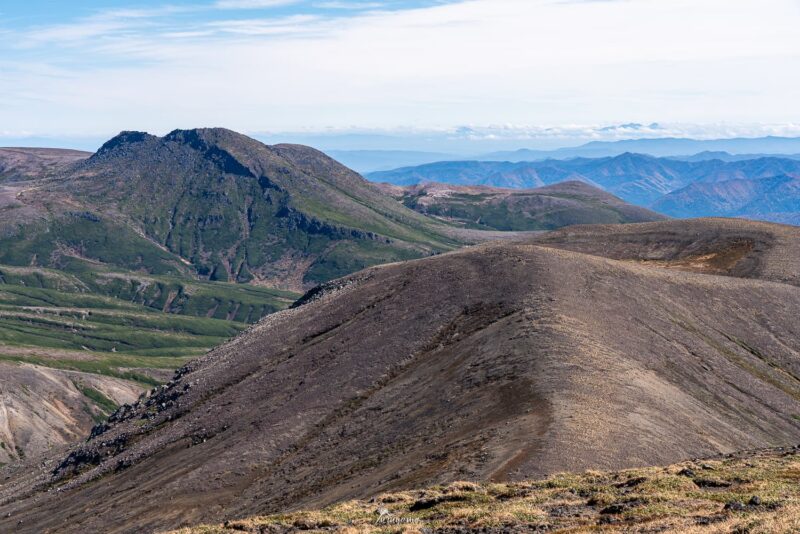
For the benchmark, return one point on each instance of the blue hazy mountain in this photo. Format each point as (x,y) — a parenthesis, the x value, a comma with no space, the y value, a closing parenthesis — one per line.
(776,199)
(372,159)
(365,161)
(657,147)
(726,156)
(670,186)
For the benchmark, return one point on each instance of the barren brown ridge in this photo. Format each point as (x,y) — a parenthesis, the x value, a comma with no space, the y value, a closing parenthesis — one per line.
(501,362)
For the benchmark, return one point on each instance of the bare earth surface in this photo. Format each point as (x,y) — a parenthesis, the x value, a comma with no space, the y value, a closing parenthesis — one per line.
(25,163)
(735,247)
(43,408)
(502,362)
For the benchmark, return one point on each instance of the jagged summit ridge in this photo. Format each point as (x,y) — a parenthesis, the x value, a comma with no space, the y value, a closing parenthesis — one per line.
(122,140)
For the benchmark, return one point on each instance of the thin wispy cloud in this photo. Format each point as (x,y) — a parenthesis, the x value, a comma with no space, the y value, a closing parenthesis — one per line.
(253,4)
(349,5)
(294,24)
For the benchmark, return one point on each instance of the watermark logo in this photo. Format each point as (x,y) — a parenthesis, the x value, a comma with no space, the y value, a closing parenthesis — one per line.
(386,518)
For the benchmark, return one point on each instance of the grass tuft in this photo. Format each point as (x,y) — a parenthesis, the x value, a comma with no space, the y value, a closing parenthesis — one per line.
(638,500)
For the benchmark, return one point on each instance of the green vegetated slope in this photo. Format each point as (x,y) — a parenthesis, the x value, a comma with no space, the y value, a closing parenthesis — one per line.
(545,208)
(76,343)
(77,240)
(229,208)
(121,320)
(79,280)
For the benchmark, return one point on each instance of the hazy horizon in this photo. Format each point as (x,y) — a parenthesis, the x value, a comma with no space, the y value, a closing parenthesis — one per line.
(458,141)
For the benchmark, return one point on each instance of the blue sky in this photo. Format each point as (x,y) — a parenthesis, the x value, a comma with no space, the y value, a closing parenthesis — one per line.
(532,72)
(34,12)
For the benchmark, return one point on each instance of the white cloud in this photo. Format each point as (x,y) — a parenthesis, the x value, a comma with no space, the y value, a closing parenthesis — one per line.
(541,62)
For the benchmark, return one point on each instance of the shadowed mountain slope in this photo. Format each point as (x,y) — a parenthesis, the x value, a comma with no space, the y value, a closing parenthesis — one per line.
(499,362)
(544,208)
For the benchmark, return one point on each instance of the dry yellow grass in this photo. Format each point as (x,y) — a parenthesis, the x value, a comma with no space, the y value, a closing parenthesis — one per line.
(755,492)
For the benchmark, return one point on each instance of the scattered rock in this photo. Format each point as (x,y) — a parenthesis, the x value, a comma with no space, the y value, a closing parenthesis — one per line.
(565,511)
(613,509)
(98,430)
(305,524)
(632,482)
(709,520)
(424,504)
(712,483)
(734,506)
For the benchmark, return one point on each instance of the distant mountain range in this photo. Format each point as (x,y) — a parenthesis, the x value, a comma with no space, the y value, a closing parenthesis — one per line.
(373,160)
(726,156)
(657,147)
(671,186)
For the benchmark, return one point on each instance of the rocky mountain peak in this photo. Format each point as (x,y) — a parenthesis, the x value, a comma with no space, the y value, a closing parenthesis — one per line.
(124,139)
